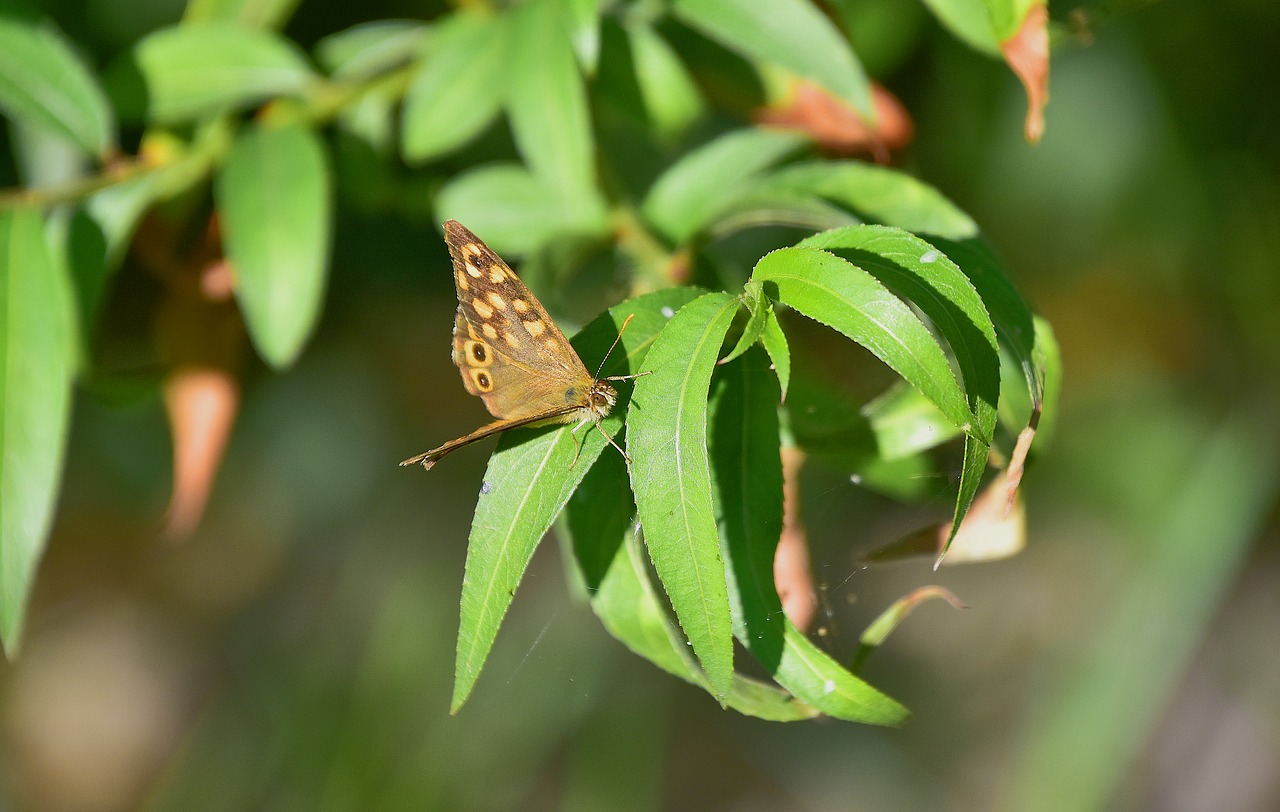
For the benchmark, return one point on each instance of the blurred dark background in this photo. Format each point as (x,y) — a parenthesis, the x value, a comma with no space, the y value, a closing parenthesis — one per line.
(297,652)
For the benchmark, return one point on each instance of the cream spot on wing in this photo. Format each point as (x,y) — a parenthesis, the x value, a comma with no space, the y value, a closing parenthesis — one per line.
(520,305)
(535,327)
(496,274)
(551,344)
(483,309)
(471,249)
(473,271)
(497,301)
(489,331)
(510,338)
(463,284)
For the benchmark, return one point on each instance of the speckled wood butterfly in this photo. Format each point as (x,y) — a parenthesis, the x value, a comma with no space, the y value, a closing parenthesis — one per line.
(511,354)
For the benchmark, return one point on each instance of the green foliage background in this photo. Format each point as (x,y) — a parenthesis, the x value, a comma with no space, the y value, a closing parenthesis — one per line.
(299,650)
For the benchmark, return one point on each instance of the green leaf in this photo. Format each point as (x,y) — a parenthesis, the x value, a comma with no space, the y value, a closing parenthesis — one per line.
(608,549)
(970,21)
(748,498)
(368,49)
(667,440)
(248,13)
(43,81)
(1013,320)
(514,211)
(459,88)
(547,105)
(924,276)
(583,18)
(758,305)
(877,192)
(775,343)
(529,480)
(185,72)
(831,290)
(1049,365)
(689,195)
(273,194)
(791,33)
(905,423)
(36,347)
(670,96)
(1007,16)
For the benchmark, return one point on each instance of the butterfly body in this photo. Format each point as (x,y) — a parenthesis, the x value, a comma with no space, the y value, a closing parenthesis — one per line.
(510,353)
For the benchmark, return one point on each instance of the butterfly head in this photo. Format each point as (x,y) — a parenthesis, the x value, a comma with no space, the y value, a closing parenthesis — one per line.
(601,398)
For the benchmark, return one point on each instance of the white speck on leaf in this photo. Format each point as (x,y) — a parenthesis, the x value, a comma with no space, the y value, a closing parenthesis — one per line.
(829,687)
(668,312)
(929,256)
(485,487)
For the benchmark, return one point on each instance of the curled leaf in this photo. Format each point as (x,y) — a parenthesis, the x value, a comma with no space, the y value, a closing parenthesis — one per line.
(1027,54)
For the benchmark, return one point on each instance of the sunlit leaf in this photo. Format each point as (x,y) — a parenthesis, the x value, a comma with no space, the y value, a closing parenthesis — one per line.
(791,33)
(274,196)
(459,88)
(184,72)
(529,480)
(36,345)
(44,81)
(670,476)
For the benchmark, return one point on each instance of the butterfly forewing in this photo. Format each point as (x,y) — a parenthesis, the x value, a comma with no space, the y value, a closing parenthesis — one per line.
(510,353)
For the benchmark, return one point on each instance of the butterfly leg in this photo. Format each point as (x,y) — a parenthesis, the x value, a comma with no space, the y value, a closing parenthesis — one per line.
(578,443)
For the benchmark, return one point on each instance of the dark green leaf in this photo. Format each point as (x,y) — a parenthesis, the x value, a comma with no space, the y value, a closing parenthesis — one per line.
(37,347)
(44,82)
(790,33)
(529,480)
(459,88)
(920,273)
(748,499)
(607,547)
(274,194)
(667,440)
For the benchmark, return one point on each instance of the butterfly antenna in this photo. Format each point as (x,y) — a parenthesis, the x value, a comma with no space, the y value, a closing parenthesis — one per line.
(613,346)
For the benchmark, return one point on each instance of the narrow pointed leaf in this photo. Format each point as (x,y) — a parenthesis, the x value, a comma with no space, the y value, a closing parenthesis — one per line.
(529,480)
(748,491)
(837,293)
(670,476)
(923,275)
(36,351)
(611,558)
(274,195)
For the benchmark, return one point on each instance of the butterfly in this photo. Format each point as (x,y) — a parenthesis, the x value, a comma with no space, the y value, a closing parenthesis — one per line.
(511,354)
